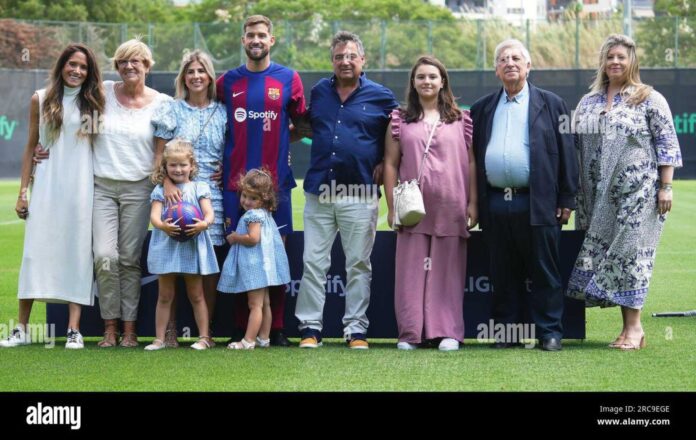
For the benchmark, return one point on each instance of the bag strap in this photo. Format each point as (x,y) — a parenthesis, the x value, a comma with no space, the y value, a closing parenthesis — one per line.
(427,149)
(206,124)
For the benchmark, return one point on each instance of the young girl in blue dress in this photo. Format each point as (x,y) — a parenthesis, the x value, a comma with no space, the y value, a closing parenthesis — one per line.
(169,258)
(257,257)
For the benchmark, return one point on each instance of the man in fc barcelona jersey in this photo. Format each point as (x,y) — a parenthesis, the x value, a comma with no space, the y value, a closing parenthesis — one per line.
(261,98)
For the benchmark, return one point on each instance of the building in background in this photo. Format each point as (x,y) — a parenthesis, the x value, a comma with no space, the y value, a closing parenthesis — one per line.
(520,10)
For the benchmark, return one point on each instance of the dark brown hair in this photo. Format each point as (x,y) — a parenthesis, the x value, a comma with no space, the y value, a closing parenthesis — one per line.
(449,112)
(90,99)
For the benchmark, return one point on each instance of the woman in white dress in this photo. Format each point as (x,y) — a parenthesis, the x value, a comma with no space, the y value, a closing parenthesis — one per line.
(57,264)
(124,156)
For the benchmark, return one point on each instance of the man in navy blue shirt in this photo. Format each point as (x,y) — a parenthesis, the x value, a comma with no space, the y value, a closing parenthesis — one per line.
(349,116)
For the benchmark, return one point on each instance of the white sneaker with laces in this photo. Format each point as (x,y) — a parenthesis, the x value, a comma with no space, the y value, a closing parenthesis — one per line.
(74,341)
(448,344)
(17,337)
(406,346)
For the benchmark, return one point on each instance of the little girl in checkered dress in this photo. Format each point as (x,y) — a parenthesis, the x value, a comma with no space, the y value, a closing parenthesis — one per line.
(170,258)
(257,257)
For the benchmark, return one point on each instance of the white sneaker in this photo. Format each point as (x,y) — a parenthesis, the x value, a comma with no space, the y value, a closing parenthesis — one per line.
(448,344)
(406,346)
(74,341)
(263,343)
(17,337)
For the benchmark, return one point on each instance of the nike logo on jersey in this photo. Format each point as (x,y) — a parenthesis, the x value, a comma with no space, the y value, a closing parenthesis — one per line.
(234,95)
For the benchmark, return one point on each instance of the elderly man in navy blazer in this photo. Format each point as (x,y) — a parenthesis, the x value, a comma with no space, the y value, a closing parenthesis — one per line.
(527,180)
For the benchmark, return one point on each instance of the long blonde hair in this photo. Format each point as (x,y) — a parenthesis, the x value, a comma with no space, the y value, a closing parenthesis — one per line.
(175,147)
(633,87)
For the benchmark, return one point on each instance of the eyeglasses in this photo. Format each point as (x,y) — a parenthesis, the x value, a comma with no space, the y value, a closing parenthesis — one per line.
(134,62)
(339,57)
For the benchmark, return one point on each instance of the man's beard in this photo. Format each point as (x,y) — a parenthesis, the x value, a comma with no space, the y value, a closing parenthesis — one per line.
(262,55)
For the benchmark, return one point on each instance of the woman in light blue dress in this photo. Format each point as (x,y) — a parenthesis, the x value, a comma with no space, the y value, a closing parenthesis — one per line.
(257,258)
(169,258)
(197,117)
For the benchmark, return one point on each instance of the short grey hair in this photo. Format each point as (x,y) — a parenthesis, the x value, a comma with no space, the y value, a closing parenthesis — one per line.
(512,42)
(344,37)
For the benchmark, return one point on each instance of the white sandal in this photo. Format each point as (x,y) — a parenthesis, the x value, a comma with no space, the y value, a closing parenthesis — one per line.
(157,344)
(263,343)
(203,343)
(241,345)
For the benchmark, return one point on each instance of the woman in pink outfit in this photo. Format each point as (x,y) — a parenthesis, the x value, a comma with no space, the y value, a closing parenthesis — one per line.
(431,256)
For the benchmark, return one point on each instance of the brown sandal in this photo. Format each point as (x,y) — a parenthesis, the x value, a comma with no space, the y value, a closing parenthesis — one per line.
(110,340)
(129,340)
(110,334)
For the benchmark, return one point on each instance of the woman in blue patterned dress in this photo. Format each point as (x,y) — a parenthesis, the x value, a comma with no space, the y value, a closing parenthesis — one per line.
(169,258)
(628,151)
(257,258)
(197,117)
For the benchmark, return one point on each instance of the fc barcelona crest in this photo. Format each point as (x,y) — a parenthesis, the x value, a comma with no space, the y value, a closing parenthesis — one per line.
(273,93)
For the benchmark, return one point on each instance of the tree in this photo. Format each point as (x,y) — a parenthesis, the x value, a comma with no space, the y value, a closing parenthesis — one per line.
(674,22)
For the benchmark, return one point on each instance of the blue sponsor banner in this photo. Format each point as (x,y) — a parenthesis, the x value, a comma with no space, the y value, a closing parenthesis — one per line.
(477,301)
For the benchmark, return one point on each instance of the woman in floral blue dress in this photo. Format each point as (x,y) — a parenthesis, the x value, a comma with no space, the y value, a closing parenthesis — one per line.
(628,151)
(198,118)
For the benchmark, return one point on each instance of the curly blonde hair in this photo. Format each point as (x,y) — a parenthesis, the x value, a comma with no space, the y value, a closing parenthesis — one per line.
(259,182)
(175,147)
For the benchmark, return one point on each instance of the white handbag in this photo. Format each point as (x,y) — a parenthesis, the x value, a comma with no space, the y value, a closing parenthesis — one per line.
(408,199)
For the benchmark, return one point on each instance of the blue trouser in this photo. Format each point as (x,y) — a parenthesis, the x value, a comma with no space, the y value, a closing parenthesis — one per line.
(518,252)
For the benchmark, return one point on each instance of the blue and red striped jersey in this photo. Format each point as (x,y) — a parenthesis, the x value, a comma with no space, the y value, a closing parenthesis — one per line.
(259,107)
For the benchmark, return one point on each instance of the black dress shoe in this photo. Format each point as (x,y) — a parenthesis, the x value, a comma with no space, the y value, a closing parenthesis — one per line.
(506,344)
(278,339)
(551,344)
